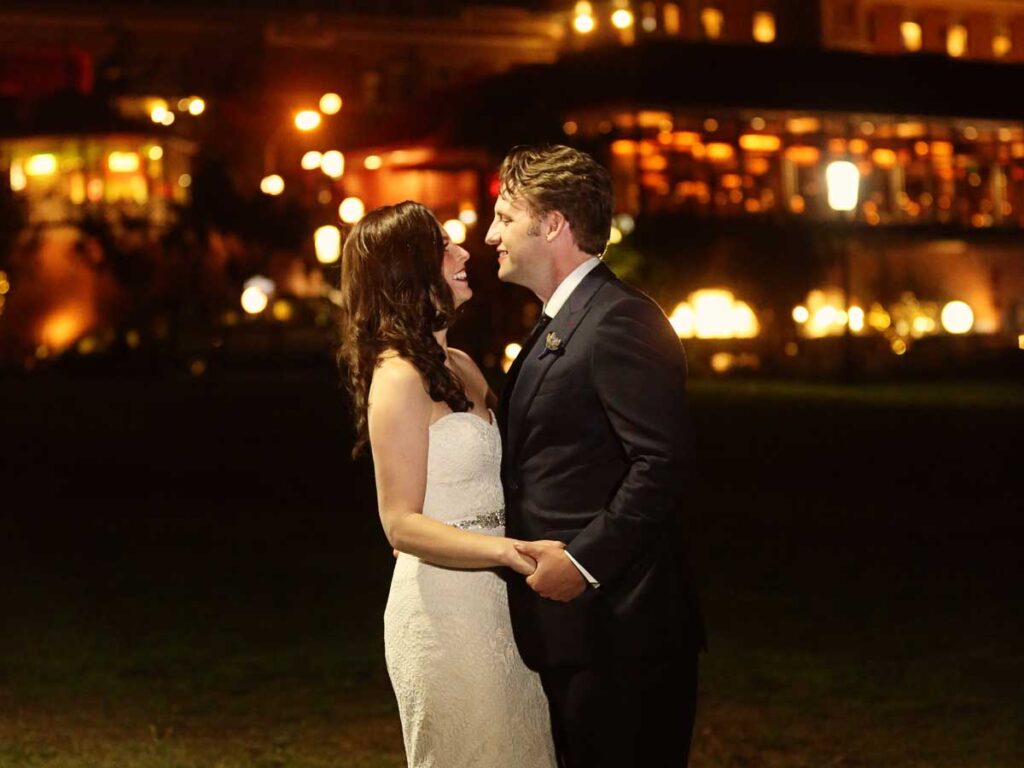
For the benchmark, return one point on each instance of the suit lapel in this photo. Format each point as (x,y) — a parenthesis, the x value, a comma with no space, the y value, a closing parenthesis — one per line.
(539,358)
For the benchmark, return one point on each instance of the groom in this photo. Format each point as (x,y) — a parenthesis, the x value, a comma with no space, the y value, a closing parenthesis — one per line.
(597,447)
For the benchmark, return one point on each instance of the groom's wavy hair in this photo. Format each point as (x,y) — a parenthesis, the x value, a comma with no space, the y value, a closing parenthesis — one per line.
(553,177)
(394,298)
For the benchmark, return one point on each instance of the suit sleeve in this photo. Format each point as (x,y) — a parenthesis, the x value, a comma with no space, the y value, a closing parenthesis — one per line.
(639,373)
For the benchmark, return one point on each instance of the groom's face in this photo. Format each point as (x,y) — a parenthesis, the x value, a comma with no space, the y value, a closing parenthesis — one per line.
(521,250)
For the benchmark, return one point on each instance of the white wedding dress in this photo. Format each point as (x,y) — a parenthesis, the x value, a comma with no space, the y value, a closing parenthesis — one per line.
(464,695)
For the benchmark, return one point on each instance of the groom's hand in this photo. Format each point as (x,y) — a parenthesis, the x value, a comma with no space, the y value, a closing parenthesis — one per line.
(556,578)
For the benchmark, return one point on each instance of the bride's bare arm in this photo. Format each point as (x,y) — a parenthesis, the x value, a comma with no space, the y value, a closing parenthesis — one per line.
(399,421)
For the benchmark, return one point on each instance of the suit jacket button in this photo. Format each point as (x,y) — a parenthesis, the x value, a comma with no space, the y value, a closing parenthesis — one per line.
(514,487)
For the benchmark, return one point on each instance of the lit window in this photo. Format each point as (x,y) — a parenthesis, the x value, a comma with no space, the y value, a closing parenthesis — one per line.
(712,19)
(1001,44)
(956,40)
(672,19)
(650,17)
(911,33)
(764,27)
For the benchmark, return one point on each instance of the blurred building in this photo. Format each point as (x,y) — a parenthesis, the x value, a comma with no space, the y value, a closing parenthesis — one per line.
(718,120)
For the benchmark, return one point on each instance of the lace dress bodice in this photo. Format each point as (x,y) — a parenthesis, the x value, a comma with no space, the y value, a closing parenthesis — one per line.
(464,472)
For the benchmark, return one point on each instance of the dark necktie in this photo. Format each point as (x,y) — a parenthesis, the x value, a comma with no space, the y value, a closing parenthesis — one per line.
(538,329)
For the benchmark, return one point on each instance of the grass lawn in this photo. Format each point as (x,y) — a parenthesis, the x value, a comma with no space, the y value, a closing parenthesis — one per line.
(194,576)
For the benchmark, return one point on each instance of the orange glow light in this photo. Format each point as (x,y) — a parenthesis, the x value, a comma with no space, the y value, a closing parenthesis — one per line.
(623,147)
(720,152)
(884,158)
(803,154)
(759,142)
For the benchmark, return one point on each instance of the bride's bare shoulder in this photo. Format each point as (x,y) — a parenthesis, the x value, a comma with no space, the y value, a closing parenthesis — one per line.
(394,375)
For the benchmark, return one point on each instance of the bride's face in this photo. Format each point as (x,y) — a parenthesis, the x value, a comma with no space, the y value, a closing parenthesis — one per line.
(453,268)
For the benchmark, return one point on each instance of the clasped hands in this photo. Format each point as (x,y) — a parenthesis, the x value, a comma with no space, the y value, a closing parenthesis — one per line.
(548,570)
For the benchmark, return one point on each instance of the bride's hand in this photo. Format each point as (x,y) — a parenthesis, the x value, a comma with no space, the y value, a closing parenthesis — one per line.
(522,564)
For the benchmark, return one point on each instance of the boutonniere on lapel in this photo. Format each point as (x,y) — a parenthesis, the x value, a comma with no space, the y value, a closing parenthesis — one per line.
(553,344)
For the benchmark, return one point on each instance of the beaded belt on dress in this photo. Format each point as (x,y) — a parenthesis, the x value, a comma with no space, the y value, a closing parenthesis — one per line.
(487,520)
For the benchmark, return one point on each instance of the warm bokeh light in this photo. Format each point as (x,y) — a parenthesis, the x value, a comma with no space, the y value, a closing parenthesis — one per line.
(123,162)
(1002,44)
(759,142)
(744,321)
(512,351)
(720,152)
(625,223)
(196,106)
(468,215)
(351,210)
(156,152)
(373,162)
(272,185)
(185,181)
(856,319)
(327,242)
(910,31)
(333,164)
(683,321)
(712,20)
(584,21)
(41,165)
(764,27)
(282,310)
(622,19)
(825,313)
(456,231)
(311,160)
(712,309)
(957,317)
(330,103)
(158,111)
(615,236)
(956,40)
(307,120)
(18,179)
(884,158)
(843,180)
(584,24)
(801,314)
(168,118)
(803,154)
(256,294)
(714,313)
(878,318)
(61,328)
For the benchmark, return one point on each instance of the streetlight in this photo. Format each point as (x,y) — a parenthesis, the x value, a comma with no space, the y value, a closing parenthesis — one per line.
(842,180)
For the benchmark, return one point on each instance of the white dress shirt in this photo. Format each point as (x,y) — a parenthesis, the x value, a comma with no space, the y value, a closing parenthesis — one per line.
(551,307)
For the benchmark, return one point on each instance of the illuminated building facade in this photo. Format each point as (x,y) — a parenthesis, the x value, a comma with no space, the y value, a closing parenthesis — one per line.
(718,119)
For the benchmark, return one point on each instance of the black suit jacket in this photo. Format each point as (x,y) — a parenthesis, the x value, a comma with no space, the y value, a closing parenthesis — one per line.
(597,453)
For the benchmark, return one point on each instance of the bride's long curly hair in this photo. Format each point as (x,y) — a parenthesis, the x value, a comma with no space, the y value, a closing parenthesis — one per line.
(394,298)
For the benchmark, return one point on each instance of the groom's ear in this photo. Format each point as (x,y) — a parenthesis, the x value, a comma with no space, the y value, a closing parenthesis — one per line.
(556,225)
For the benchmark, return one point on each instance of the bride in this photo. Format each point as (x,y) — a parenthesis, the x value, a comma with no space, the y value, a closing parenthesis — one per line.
(464,695)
